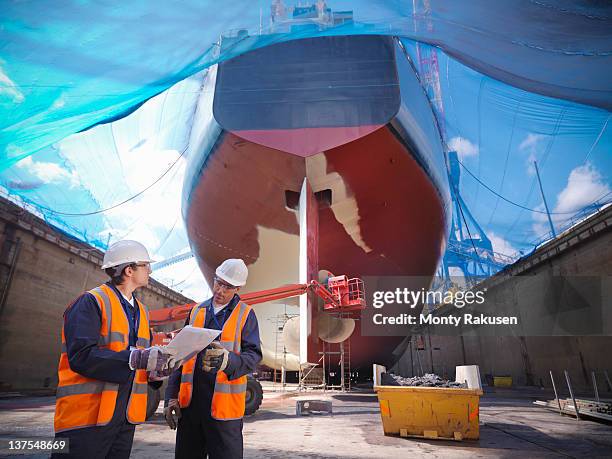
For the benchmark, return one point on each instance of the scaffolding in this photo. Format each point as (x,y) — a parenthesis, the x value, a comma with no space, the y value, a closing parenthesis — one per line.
(318,375)
(343,351)
(312,376)
(279,376)
(340,353)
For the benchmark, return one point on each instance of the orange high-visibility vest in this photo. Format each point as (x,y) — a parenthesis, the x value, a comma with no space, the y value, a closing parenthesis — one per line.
(85,402)
(229,396)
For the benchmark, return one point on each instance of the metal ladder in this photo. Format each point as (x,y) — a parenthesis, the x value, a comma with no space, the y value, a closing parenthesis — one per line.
(344,353)
(345,365)
(278,327)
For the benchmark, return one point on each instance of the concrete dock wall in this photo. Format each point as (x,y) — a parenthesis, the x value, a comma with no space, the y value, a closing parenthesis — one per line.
(585,250)
(42,270)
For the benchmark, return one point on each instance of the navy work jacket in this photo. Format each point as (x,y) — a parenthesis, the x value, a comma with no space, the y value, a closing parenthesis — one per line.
(82,322)
(237,365)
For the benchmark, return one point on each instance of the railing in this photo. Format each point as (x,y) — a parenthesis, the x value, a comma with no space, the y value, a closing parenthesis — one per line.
(571,221)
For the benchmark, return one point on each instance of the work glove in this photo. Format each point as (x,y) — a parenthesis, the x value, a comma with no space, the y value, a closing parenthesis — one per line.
(215,358)
(150,359)
(160,375)
(173,409)
(173,363)
(171,366)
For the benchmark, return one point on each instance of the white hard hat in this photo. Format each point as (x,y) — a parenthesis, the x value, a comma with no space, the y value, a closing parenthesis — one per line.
(126,251)
(233,271)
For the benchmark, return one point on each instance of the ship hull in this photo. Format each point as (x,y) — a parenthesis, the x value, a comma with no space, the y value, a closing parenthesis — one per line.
(381,202)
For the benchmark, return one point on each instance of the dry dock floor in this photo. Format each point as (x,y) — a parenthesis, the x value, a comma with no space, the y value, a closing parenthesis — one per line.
(511,426)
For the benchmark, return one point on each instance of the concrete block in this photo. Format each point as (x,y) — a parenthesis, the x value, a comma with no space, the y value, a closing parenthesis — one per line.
(306,407)
(469,374)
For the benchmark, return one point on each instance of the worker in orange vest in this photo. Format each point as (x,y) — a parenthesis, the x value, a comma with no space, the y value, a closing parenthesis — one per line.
(106,359)
(207,394)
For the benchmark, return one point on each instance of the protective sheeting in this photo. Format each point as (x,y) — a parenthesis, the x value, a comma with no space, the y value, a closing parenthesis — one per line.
(66,66)
(498,132)
(504,82)
(120,180)
(558,48)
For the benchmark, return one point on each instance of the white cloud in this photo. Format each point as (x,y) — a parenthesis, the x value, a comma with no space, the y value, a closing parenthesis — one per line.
(531,144)
(7,86)
(500,245)
(186,278)
(121,170)
(531,141)
(149,217)
(60,102)
(48,172)
(142,165)
(463,147)
(584,186)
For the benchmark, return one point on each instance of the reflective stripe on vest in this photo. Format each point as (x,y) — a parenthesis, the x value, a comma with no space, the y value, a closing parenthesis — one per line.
(85,402)
(196,319)
(137,405)
(229,397)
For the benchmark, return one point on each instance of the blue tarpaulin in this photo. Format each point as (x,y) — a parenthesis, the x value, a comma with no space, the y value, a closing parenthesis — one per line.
(96,101)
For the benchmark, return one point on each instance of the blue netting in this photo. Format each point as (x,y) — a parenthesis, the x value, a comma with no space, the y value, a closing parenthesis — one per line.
(69,65)
(518,82)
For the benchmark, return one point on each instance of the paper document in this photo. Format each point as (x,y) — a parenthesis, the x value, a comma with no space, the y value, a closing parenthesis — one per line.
(189,341)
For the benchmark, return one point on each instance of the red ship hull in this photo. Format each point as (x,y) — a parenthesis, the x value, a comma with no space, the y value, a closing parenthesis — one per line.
(380,212)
